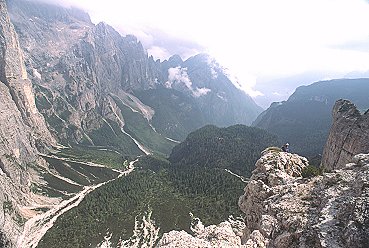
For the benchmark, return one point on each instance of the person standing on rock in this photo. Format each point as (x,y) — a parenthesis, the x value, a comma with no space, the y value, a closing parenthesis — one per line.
(286,148)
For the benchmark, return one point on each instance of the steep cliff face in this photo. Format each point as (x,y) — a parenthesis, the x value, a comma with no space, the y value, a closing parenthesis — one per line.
(22,131)
(14,76)
(284,210)
(348,136)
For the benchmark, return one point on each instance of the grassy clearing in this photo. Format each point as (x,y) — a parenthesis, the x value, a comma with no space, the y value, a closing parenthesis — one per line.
(104,156)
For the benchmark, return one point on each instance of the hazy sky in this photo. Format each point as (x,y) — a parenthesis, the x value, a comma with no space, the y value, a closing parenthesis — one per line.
(258,40)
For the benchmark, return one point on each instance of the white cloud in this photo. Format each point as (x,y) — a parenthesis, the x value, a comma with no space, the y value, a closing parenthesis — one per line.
(246,84)
(200,91)
(158,52)
(178,76)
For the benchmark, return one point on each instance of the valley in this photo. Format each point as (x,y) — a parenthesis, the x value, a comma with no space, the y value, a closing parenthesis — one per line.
(167,189)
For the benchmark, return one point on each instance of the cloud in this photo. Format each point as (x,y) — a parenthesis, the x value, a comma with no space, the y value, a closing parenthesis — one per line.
(200,91)
(246,84)
(158,52)
(356,45)
(178,77)
(160,40)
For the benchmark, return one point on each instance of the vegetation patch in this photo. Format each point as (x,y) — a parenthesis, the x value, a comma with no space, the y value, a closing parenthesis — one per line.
(8,206)
(236,148)
(100,155)
(60,185)
(110,136)
(194,179)
(66,171)
(311,171)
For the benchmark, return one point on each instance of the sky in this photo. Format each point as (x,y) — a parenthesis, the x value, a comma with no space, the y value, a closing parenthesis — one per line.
(269,46)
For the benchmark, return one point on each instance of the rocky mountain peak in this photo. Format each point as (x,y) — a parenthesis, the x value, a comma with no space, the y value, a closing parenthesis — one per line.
(175,60)
(225,234)
(345,108)
(12,63)
(348,135)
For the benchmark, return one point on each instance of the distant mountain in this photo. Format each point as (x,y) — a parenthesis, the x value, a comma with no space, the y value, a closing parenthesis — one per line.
(305,118)
(97,88)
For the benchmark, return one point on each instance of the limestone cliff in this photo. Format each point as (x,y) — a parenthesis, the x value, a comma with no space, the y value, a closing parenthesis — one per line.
(348,136)
(22,131)
(284,210)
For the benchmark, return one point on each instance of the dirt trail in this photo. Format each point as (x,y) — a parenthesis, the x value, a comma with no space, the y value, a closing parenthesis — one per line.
(36,227)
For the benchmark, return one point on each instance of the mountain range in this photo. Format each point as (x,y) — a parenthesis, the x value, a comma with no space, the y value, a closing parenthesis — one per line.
(101,145)
(98,88)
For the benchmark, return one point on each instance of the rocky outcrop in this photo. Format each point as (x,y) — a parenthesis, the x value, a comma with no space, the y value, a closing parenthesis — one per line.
(348,136)
(284,210)
(226,234)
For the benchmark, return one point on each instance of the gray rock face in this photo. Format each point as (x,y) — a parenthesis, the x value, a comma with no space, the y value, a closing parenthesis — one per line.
(285,210)
(348,136)
(22,131)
